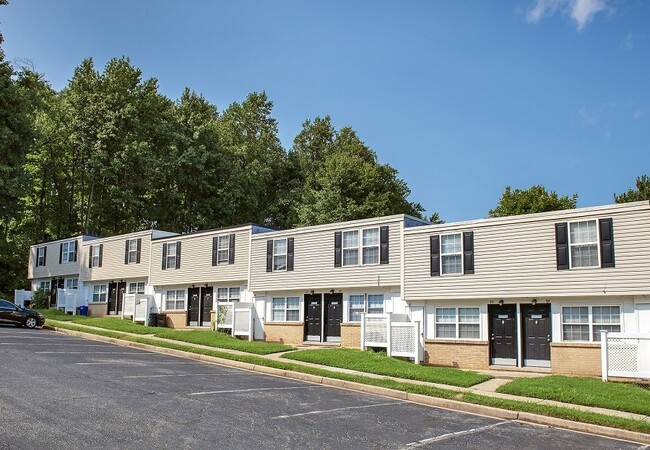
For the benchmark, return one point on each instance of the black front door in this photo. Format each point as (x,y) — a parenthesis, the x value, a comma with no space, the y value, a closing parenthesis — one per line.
(54,286)
(121,290)
(503,334)
(333,316)
(206,305)
(536,328)
(193,306)
(313,315)
(112,297)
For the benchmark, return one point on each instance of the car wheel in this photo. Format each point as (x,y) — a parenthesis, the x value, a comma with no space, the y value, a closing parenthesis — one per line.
(30,322)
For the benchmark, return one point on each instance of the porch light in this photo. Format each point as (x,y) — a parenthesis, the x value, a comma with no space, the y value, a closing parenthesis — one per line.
(534,302)
(311,292)
(501,302)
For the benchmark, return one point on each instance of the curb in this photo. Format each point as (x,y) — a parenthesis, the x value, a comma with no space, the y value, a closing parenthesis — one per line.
(453,405)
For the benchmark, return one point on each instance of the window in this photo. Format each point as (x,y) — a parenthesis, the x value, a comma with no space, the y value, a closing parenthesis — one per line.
(228,294)
(458,323)
(451,254)
(175,299)
(583,244)
(40,256)
(68,252)
(99,293)
(136,288)
(286,309)
(579,325)
(223,249)
(44,285)
(279,254)
(370,243)
(95,256)
(72,283)
(350,248)
(170,258)
(370,303)
(132,251)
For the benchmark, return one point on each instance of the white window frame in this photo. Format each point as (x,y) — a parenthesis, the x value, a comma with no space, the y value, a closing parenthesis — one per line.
(221,249)
(94,256)
(590,323)
(171,257)
(44,285)
(351,249)
(176,299)
(100,293)
(67,252)
(72,283)
(449,254)
(134,287)
(132,253)
(370,246)
(366,305)
(284,308)
(40,256)
(228,294)
(595,243)
(279,267)
(457,323)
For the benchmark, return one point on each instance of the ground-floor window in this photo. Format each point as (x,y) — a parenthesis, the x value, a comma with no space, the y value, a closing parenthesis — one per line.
(228,294)
(584,323)
(72,283)
(458,323)
(99,293)
(370,303)
(286,309)
(175,299)
(136,288)
(44,285)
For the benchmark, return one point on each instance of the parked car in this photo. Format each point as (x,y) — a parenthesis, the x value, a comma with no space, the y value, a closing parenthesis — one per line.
(21,317)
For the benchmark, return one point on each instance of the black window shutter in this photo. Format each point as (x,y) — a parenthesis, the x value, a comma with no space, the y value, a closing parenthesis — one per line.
(75,250)
(44,256)
(338,243)
(164,257)
(562,245)
(126,252)
(435,255)
(231,250)
(215,240)
(61,253)
(178,255)
(139,250)
(90,257)
(269,255)
(290,254)
(383,245)
(606,243)
(101,254)
(468,252)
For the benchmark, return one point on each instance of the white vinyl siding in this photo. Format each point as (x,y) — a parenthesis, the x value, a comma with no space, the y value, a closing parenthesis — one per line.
(99,293)
(228,294)
(223,249)
(451,254)
(132,254)
(279,254)
(583,244)
(584,323)
(364,303)
(286,309)
(458,323)
(175,299)
(136,287)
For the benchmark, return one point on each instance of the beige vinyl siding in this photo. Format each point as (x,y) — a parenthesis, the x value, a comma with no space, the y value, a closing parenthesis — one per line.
(196,259)
(52,268)
(113,267)
(517,258)
(314,260)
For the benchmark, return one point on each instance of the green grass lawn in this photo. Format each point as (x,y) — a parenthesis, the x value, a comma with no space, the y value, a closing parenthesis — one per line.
(583,391)
(202,337)
(380,364)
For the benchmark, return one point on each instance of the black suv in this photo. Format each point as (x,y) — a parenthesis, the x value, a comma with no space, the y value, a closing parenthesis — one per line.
(21,317)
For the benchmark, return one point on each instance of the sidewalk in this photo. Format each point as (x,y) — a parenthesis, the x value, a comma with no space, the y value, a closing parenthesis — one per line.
(487,388)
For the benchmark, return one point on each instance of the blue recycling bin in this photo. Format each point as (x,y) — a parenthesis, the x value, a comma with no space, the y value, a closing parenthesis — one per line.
(83,310)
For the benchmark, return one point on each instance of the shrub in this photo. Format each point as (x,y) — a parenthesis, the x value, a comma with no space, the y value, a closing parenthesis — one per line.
(41,299)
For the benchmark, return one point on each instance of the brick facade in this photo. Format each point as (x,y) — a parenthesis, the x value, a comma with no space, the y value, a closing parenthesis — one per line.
(285,333)
(461,354)
(575,358)
(351,335)
(176,319)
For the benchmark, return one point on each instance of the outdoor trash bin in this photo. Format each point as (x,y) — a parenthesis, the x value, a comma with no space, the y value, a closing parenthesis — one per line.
(83,310)
(153,320)
(161,320)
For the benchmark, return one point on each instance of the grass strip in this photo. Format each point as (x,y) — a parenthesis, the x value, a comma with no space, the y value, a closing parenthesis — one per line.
(380,364)
(550,411)
(202,337)
(583,391)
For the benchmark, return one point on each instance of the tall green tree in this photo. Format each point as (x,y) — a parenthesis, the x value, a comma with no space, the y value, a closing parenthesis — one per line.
(642,191)
(532,200)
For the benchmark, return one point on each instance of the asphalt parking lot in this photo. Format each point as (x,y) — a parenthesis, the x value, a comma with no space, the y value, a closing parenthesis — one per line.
(58,391)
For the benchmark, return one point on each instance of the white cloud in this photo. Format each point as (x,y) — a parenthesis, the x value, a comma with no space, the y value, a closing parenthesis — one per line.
(628,43)
(580,11)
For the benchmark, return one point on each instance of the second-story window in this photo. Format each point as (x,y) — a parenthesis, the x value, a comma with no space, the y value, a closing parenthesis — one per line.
(40,256)
(583,242)
(223,249)
(370,243)
(350,248)
(170,259)
(132,251)
(95,256)
(279,254)
(68,252)
(451,254)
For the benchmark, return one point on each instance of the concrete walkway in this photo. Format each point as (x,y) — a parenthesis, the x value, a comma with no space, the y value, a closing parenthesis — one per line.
(487,388)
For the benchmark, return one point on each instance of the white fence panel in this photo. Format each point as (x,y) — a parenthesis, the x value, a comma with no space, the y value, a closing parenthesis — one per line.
(398,338)
(143,305)
(625,355)
(236,317)
(128,305)
(69,299)
(21,296)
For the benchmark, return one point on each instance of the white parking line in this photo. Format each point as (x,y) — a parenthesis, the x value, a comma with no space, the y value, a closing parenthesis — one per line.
(256,390)
(22,344)
(336,410)
(141,363)
(188,375)
(442,437)
(93,353)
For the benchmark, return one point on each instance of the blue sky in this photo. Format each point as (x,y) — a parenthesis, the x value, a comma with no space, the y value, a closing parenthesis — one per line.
(463,98)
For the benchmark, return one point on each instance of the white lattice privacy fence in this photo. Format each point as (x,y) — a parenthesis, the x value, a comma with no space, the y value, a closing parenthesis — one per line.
(236,317)
(21,296)
(625,355)
(68,299)
(398,338)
